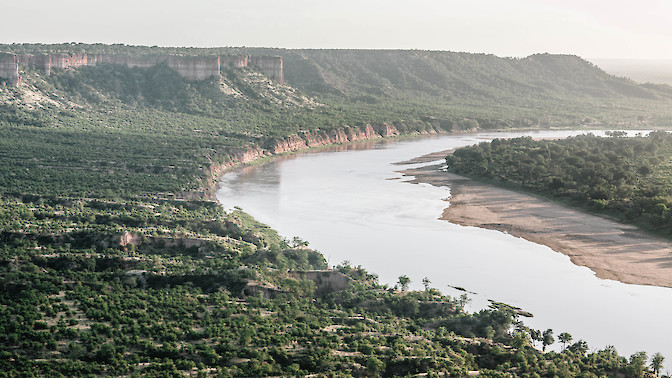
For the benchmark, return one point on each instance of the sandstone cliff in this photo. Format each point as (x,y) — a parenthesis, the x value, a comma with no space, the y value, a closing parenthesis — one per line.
(9,69)
(189,67)
(270,66)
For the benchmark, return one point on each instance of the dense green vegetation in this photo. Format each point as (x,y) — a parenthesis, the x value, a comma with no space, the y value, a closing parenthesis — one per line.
(192,289)
(114,261)
(628,178)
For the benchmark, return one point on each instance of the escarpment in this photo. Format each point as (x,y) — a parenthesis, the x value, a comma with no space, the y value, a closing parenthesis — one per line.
(189,67)
(9,69)
(270,66)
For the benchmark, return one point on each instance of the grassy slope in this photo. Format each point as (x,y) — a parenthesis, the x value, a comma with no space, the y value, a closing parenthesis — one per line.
(108,151)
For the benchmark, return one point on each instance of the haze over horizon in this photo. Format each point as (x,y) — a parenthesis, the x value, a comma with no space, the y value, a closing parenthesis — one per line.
(590,29)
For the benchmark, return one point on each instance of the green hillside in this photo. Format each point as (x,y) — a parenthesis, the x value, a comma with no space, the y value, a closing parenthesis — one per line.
(400,85)
(539,90)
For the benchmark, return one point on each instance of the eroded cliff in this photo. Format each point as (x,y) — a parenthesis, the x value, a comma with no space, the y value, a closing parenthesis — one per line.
(9,69)
(189,67)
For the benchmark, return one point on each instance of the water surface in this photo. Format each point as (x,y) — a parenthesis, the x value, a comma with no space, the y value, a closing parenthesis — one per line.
(351,204)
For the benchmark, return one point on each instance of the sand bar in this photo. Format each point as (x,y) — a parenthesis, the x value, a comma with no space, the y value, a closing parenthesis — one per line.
(611,249)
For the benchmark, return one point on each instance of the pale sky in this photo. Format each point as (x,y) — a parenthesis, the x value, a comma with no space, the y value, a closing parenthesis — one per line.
(626,29)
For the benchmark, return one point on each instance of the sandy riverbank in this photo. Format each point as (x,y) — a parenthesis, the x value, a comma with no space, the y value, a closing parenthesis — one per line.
(611,249)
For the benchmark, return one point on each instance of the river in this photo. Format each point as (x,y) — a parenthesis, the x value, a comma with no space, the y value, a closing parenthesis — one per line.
(351,203)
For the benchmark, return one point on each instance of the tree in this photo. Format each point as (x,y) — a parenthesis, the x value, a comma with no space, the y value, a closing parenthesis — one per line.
(547,338)
(462,301)
(426,282)
(565,338)
(657,363)
(580,347)
(637,365)
(375,366)
(535,335)
(404,281)
(297,242)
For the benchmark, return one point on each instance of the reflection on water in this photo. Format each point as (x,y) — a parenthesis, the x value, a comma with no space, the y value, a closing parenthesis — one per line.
(351,204)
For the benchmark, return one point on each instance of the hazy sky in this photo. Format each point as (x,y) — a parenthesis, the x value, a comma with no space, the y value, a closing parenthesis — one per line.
(588,28)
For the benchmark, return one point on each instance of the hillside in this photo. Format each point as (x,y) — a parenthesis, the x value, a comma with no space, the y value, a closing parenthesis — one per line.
(539,90)
(459,90)
(115,260)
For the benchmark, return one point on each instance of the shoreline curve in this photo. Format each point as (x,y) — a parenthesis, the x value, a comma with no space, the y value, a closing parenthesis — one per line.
(611,249)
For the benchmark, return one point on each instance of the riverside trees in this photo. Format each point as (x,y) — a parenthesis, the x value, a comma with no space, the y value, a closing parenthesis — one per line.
(624,177)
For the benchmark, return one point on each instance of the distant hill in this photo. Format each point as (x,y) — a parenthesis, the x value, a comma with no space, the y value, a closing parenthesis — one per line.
(459,75)
(359,86)
(541,89)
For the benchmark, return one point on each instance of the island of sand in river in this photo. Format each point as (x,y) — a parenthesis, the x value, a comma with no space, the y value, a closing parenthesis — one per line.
(611,249)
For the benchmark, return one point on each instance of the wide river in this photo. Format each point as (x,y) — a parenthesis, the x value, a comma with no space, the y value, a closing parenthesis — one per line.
(351,203)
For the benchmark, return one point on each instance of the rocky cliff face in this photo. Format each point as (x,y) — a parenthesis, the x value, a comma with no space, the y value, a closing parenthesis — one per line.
(42,62)
(9,69)
(238,61)
(189,67)
(270,66)
(195,67)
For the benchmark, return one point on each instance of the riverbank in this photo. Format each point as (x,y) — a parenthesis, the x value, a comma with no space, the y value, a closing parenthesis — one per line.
(611,249)
(316,140)
(360,137)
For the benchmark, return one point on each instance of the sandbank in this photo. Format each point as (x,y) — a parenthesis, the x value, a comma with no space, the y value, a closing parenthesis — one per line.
(611,249)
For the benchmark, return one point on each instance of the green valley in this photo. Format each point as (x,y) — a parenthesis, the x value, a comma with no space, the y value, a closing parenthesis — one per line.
(115,259)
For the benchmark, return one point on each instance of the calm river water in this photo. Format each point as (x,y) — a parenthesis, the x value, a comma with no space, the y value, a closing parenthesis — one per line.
(351,204)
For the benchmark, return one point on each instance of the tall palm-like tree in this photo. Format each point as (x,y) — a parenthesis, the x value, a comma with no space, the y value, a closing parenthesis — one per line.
(657,363)
(547,338)
(426,282)
(565,338)
(535,335)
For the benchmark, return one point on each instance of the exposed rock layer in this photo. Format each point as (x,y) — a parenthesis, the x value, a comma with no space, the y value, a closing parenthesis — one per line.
(315,138)
(189,67)
(9,69)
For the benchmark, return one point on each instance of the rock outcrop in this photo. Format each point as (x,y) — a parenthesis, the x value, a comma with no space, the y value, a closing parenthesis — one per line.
(189,67)
(9,69)
(270,66)
(317,138)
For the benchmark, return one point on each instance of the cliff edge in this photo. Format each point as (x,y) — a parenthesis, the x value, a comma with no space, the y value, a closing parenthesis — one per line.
(191,68)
